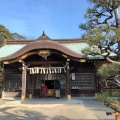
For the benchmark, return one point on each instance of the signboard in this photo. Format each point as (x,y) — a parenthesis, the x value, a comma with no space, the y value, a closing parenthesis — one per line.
(73,76)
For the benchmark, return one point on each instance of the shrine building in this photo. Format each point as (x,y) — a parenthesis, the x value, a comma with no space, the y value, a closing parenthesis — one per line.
(58,63)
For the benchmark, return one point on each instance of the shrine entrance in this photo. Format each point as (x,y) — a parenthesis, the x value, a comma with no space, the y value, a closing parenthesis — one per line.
(49,67)
(53,81)
(53,77)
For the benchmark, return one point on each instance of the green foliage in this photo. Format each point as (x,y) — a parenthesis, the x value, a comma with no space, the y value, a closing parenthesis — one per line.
(93,50)
(105,37)
(102,96)
(99,30)
(103,71)
(100,12)
(116,36)
(109,70)
(116,93)
(95,36)
(108,100)
(5,34)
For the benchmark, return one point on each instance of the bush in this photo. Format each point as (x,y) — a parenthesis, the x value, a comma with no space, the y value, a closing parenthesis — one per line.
(116,93)
(109,101)
(103,96)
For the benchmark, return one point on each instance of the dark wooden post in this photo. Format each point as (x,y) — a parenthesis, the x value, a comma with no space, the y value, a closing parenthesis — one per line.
(68,80)
(3,88)
(95,79)
(30,86)
(23,95)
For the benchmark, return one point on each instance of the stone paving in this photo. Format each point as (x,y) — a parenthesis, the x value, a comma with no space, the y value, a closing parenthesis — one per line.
(78,108)
(97,108)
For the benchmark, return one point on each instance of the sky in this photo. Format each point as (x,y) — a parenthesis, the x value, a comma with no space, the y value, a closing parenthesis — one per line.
(57,18)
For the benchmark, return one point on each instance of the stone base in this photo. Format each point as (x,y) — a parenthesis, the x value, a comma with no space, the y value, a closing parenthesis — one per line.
(22,97)
(30,96)
(69,97)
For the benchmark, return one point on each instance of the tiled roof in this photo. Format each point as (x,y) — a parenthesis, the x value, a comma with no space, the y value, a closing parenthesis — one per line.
(76,47)
(9,49)
(71,49)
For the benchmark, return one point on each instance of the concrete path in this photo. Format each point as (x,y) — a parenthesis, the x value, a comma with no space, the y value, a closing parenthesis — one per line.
(78,108)
(97,108)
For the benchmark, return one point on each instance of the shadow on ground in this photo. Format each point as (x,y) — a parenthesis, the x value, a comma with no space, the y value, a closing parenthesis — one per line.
(12,113)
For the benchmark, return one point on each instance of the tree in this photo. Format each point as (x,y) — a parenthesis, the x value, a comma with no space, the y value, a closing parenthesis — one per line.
(103,35)
(106,71)
(5,34)
(101,32)
(101,12)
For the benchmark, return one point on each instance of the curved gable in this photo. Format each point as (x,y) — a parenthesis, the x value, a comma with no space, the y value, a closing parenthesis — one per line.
(43,45)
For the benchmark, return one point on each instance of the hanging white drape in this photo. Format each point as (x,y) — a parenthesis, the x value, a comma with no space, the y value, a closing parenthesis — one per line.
(60,70)
(55,70)
(46,70)
(32,71)
(37,70)
(43,70)
(49,70)
(40,71)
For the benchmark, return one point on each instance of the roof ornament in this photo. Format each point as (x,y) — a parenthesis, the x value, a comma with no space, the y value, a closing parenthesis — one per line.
(43,37)
(43,33)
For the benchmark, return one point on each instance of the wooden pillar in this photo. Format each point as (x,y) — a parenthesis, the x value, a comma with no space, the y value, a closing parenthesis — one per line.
(3,86)
(68,80)
(95,79)
(33,84)
(31,88)
(23,95)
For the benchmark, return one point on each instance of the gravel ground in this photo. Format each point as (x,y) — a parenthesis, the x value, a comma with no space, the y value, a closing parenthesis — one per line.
(54,109)
(3,101)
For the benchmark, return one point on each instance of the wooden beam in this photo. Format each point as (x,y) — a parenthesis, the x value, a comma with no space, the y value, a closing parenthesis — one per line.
(20,58)
(45,62)
(24,56)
